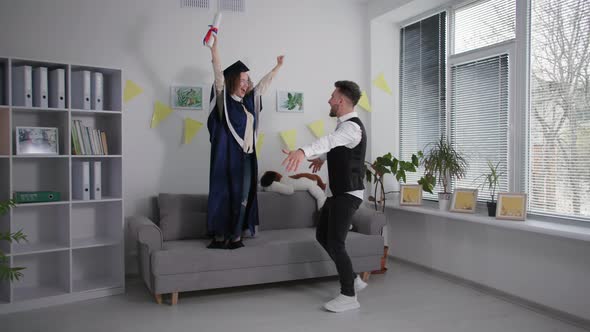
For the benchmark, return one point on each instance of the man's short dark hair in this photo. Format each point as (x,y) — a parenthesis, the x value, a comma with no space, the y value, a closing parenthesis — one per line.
(350,89)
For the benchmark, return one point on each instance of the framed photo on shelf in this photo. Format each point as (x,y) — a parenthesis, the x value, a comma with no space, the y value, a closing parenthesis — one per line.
(410,194)
(37,141)
(511,206)
(464,200)
(290,101)
(186,97)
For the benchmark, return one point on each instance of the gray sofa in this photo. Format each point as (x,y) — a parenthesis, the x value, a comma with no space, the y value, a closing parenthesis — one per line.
(173,256)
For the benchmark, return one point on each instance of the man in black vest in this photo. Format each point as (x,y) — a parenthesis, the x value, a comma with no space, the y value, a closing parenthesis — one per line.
(345,151)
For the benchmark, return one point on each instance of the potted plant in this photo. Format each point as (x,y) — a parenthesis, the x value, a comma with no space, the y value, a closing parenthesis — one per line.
(7,272)
(387,164)
(443,163)
(491,180)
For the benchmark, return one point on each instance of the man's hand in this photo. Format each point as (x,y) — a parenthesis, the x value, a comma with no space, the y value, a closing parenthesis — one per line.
(280,59)
(316,164)
(294,158)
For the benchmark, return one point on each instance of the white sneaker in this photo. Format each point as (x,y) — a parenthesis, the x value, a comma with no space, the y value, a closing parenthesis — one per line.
(342,303)
(359,284)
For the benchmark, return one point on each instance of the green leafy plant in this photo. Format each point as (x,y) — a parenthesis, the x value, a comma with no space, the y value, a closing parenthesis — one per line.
(443,163)
(6,272)
(491,179)
(294,100)
(387,164)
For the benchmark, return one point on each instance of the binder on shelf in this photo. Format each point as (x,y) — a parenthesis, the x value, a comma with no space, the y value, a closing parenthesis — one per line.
(81,180)
(96,180)
(40,87)
(97,91)
(36,196)
(57,88)
(22,86)
(81,89)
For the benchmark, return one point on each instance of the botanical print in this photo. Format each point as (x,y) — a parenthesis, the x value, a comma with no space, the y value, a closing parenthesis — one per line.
(187,97)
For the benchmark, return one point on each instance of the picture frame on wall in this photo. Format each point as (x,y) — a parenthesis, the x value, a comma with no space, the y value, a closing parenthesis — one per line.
(186,97)
(290,101)
(37,141)
(410,194)
(511,206)
(464,200)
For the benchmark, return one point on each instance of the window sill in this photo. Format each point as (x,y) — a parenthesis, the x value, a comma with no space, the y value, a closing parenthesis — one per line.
(531,225)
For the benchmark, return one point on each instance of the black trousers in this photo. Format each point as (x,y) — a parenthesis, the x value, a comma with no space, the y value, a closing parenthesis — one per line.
(332,229)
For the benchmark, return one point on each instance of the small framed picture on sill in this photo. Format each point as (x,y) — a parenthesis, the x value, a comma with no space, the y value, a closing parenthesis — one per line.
(464,200)
(410,194)
(511,206)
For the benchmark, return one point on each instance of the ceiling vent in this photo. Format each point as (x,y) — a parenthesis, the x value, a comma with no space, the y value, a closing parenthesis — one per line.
(203,4)
(237,6)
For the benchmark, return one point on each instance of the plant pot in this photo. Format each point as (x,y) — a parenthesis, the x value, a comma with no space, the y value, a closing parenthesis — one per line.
(444,200)
(491,209)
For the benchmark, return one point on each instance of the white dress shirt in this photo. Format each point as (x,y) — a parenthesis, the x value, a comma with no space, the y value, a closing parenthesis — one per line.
(347,133)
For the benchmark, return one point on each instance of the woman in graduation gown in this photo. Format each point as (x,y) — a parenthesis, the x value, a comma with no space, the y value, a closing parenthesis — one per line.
(233,129)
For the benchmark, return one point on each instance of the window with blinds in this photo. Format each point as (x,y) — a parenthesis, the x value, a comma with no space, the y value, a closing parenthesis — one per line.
(479,119)
(484,23)
(422,87)
(559,115)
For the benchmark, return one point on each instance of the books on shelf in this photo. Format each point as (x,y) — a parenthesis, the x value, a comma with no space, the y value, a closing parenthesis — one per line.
(88,141)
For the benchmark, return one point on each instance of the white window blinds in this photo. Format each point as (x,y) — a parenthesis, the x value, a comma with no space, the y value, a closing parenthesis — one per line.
(422,86)
(479,118)
(484,23)
(559,117)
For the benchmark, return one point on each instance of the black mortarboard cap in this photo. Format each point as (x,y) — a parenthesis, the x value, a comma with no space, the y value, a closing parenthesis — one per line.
(237,67)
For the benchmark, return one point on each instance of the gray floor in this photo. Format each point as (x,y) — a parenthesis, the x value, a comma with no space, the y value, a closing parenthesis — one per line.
(404,299)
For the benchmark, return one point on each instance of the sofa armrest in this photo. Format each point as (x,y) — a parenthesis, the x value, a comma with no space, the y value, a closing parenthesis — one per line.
(146,232)
(367,221)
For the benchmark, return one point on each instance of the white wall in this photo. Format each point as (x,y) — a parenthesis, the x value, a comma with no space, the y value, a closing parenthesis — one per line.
(157,44)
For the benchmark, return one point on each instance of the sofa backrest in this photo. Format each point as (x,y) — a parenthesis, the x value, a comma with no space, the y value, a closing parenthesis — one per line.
(183,216)
(278,211)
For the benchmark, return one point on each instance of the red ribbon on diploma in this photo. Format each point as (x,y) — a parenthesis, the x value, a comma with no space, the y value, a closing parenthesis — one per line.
(212,31)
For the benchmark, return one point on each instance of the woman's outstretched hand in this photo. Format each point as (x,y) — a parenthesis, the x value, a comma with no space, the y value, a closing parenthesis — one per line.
(280,59)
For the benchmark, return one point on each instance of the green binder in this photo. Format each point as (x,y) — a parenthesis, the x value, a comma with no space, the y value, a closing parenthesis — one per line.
(36,196)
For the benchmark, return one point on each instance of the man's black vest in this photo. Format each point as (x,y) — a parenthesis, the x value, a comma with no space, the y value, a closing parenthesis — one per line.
(346,167)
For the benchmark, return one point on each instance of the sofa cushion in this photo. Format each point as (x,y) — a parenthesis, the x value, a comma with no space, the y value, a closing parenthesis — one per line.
(183,216)
(277,211)
(271,247)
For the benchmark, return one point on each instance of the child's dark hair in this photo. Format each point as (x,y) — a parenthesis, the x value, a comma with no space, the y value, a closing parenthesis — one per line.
(268,178)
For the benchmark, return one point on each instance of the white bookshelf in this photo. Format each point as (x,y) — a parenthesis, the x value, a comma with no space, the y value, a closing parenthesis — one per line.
(75,247)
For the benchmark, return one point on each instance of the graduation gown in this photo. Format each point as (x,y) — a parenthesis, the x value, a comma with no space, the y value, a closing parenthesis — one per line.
(227,125)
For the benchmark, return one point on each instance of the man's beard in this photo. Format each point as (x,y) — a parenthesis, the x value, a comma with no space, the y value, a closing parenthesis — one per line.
(333,110)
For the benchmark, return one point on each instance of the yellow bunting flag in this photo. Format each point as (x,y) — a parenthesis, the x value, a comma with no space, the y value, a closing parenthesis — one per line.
(317,128)
(191,128)
(364,102)
(290,138)
(131,90)
(259,143)
(161,112)
(382,84)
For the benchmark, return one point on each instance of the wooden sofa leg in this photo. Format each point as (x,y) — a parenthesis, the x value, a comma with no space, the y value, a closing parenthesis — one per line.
(365,276)
(158,298)
(174,298)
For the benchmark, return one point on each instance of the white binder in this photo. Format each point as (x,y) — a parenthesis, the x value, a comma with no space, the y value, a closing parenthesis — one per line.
(96,178)
(57,88)
(97,91)
(22,86)
(81,89)
(81,180)
(40,87)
